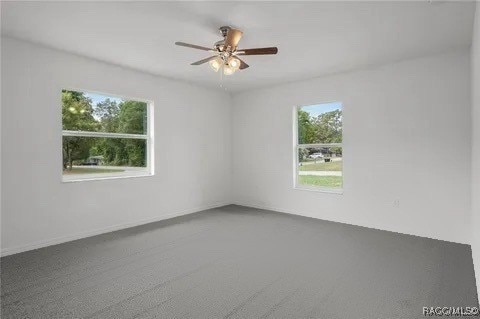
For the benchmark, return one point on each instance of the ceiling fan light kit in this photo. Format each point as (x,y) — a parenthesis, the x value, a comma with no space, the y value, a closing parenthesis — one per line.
(216,64)
(229,67)
(226,52)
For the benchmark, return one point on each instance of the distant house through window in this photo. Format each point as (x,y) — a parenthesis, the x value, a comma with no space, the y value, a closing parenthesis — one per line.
(319,156)
(105,136)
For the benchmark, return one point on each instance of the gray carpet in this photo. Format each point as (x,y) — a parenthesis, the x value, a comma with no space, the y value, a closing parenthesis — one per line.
(238,262)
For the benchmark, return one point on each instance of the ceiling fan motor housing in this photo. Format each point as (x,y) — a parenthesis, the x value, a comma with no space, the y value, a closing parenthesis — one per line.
(224,30)
(219,45)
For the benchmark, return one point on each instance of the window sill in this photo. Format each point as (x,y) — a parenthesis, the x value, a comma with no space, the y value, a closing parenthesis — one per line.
(319,190)
(79,178)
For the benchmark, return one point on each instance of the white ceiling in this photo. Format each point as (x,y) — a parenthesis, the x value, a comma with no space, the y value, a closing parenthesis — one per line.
(314,38)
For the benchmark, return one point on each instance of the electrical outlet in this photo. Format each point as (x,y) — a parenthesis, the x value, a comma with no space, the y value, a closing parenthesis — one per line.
(396,203)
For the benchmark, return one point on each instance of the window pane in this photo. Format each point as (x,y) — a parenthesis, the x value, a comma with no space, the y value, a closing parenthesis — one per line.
(321,167)
(84,111)
(321,123)
(91,157)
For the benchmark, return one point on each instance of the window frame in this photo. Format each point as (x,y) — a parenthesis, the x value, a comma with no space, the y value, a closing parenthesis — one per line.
(297,147)
(148,137)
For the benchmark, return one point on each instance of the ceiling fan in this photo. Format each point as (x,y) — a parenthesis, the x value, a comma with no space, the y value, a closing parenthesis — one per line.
(226,52)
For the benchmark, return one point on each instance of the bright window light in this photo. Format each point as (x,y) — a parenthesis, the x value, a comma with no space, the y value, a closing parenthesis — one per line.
(318,149)
(105,136)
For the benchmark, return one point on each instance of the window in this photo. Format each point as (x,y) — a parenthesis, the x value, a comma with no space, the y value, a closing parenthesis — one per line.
(105,136)
(318,147)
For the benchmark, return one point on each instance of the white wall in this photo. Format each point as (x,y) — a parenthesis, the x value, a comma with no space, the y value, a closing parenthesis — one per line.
(192,150)
(413,115)
(476,145)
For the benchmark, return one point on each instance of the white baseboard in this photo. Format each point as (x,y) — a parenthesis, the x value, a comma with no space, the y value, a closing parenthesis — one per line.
(60,240)
(280,210)
(64,239)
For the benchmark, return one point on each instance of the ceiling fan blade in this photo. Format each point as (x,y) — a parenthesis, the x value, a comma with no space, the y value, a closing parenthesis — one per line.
(258,51)
(204,60)
(243,65)
(233,37)
(193,46)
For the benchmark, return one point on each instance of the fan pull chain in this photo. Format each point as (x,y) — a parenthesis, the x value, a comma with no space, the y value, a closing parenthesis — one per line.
(221,78)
